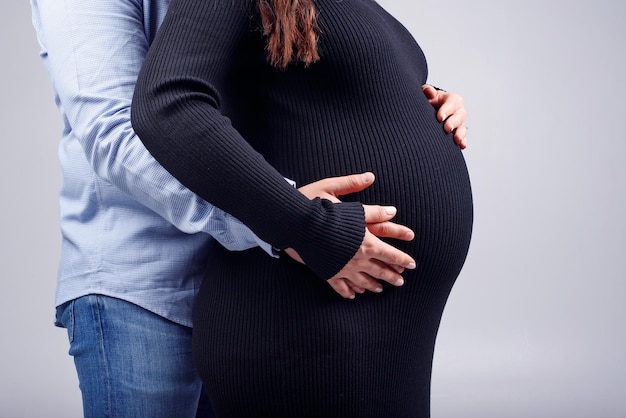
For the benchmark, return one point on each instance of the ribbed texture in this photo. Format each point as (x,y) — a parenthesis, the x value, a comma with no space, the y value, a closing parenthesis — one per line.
(176,112)
(270,338)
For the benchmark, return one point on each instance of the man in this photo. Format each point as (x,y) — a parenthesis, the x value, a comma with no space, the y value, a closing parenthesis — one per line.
(134,239)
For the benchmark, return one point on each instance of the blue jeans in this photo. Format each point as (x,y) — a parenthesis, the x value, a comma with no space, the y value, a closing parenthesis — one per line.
(131,362)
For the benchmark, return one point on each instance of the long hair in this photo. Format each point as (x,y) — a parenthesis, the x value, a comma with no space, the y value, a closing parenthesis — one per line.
(291,30)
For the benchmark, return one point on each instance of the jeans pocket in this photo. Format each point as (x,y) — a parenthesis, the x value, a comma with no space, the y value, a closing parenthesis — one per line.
(65,318)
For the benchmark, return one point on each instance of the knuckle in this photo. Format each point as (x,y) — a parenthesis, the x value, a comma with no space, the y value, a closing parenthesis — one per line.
(377,214)
(360,281)
(372,252)
(365,250)
(397,258)
(383,228)
(383,274)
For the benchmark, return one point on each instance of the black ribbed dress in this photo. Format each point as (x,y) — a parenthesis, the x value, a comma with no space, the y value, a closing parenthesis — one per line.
(271,338)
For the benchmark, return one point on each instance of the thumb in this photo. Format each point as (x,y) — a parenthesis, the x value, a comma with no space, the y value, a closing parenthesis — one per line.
(430,92)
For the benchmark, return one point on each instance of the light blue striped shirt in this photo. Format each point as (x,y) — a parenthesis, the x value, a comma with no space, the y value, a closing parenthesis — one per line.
(130,230)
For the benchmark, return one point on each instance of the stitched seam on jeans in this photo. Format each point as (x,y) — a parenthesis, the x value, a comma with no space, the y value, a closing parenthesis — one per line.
(107,369)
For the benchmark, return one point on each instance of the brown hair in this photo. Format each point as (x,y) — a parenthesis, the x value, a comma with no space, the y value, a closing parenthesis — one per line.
(290,26)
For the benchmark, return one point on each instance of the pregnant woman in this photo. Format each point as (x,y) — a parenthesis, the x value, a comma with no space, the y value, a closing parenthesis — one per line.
(236,95)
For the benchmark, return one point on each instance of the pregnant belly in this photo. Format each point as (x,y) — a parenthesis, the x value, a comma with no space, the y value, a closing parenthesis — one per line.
(418,167)
(427,180)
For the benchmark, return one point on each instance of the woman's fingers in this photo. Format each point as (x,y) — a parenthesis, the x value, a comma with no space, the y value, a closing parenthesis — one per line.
(374,262)
(391,230)
(460,136)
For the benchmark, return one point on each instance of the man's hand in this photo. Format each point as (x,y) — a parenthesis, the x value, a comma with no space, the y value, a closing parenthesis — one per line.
(450,110)
(375,260)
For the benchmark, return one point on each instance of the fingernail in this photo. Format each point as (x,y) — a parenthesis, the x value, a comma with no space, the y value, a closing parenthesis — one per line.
(367,177)
(378,289)
(444,117)
(391,210)
(411,266)
(352,296)
(399,282)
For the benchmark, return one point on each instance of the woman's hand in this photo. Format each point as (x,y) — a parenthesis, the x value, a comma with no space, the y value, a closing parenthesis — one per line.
(375,260)
(450,110)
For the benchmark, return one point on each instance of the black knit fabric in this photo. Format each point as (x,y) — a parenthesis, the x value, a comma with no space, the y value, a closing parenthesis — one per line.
(271,338)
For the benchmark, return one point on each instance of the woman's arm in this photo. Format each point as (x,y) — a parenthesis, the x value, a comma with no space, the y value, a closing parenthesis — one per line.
(176,112)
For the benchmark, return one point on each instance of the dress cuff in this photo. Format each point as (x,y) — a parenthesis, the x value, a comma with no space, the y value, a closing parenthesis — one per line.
(333,238)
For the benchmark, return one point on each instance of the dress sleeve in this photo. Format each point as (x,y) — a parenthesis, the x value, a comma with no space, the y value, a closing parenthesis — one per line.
(176,112)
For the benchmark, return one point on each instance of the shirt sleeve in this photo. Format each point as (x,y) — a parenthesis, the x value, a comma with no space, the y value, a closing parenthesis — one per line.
(93,51)
(176,112)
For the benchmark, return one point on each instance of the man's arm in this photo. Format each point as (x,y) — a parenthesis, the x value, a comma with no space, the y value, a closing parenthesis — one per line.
(93,51)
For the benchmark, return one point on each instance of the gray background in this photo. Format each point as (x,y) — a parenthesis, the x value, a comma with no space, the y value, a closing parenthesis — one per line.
(534,326)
